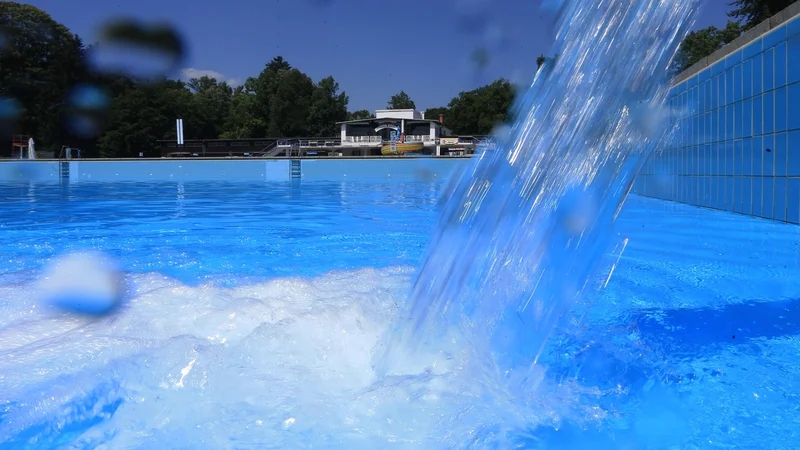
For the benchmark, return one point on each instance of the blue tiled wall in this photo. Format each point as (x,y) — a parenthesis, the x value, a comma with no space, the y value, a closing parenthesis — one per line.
(736,141)
(400,169)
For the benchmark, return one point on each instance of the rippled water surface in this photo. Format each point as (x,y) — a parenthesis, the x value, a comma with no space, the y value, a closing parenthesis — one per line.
(256,307)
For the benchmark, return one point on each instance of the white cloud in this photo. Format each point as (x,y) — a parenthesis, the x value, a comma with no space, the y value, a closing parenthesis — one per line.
(190,72)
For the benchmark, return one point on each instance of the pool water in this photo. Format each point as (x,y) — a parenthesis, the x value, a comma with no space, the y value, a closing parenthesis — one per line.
(255,308)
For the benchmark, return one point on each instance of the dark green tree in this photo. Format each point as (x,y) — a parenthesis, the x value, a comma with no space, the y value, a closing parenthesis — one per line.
(42,61)
(702,43)
(245,119)
(752,12)
(540,61)
(361,114)
(434,113)
(328,106)
(211,104)
(290,104)
(401,101)
(479,111)
(143,113)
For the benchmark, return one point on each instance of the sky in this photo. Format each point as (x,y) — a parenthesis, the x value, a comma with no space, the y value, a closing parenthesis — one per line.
(373,49)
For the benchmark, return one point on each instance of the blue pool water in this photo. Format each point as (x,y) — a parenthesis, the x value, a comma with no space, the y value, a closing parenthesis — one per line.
(255,308)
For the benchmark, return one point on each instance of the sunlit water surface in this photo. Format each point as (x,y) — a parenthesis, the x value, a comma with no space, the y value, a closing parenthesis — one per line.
(255,308)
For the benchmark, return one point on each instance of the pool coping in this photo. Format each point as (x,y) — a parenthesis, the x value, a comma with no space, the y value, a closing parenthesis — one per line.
(747,37)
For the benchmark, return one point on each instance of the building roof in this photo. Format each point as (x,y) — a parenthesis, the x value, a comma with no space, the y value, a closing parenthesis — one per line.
(387,119)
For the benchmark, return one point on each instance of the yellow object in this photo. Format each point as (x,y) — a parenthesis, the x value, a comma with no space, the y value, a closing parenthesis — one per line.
(401,148)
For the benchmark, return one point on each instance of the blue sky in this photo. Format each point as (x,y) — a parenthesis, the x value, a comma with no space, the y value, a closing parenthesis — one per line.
(373,49)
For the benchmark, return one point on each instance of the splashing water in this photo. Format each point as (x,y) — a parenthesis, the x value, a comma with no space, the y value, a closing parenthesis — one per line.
(287,364)
(525,227)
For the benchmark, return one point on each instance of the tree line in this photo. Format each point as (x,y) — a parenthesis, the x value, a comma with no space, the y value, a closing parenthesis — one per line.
(49,89)
(746,14)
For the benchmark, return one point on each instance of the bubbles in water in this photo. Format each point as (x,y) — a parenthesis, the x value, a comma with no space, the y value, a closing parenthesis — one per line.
(83,283)
(87,109)
(137,49)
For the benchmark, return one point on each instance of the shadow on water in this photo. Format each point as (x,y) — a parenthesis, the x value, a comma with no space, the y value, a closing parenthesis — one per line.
(692,330)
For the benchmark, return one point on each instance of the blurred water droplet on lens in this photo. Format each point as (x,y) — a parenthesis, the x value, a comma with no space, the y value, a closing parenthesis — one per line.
(137,49)
(480,58)
(87,105)
(87,283)
(87,96)
(10,111)
(472,15)
(502,134)
(424,175)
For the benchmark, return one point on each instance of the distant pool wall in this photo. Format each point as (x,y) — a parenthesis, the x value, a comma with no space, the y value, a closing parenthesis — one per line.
(384,168)
(736,145)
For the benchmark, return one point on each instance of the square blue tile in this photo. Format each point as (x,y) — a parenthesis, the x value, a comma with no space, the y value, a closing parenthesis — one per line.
(793,200)
(793,62)
(717,68)
(781,157)
(768,199)
(736,195)
(747,79)
(793,107)
(714,93)
(780,109)
(758,116)
(775,36)
(747,157)
(734,59)
(738,130)
(793,154)
(736,87)
(704,75)
(752,49)
(728,193)
(768,152)
(758,74)
(747,195)
(780,65)
(769,112)
(793,28)
(701,99)
(738,158)
(730,87)
(758,156)
(730,158)
(769,70)
(757,197)
(730,121)
(780,199)
(747,118)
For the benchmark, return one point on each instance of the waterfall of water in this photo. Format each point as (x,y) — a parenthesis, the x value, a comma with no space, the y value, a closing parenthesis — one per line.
(523,228)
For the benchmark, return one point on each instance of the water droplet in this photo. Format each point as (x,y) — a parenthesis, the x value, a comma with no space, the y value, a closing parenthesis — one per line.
(473,15)
(87,96)
(87,106)
(137,49)
(10,111)
(480,58)
(9,108)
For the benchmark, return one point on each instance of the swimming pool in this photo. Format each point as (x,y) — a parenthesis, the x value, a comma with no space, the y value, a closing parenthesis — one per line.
(256,305)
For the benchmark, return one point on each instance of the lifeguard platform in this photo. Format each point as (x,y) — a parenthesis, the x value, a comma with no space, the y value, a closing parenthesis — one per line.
(19,146)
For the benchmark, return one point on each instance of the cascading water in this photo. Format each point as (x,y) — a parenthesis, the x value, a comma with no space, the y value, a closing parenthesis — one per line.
(523,229)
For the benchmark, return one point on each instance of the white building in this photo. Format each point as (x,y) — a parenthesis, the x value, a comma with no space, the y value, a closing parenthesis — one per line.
(410,125)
